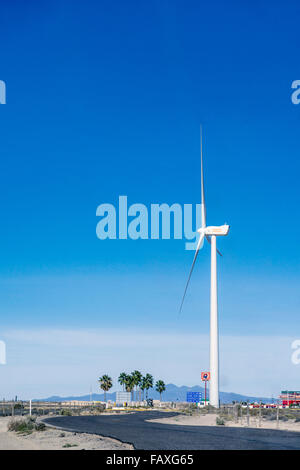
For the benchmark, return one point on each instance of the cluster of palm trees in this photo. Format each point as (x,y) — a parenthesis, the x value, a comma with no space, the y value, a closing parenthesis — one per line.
(137,381)
(134,382)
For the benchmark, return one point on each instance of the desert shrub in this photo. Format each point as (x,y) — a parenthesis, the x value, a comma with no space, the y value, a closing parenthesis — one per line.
(21,425)
(210,408)
(39,427)
(66,446)
(225,416)
(65,412)
(290,415)
(18,406)
(283,418)
(193,407)
(220,421)
(99,409)
(25,425)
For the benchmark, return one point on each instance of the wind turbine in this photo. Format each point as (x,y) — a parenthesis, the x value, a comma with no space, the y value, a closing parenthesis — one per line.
(210,233)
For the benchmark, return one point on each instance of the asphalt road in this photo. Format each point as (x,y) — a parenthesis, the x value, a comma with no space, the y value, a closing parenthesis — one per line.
(134,429)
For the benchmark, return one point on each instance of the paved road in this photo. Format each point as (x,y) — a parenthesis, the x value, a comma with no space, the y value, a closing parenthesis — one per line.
(134,429)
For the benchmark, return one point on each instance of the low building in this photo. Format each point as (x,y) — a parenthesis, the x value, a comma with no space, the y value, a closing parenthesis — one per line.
(123,397)
(79,403)
(73,403)
(290,397)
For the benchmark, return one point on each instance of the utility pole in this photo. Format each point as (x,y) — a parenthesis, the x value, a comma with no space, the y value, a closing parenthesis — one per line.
(259,421)
(248,418)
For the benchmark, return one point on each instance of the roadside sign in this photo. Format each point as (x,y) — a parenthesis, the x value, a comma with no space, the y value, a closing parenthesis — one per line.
(205,376)
(193,397)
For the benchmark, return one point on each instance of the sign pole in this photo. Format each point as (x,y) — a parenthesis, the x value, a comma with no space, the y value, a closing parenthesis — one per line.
(205,377)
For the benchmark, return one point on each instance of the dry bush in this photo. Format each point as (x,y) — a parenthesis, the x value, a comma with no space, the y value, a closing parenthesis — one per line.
(25,425)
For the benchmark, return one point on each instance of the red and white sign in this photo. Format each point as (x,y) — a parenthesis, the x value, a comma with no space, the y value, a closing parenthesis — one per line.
(205,376)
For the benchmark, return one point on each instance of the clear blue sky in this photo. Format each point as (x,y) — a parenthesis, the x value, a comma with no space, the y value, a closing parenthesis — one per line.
(105,99)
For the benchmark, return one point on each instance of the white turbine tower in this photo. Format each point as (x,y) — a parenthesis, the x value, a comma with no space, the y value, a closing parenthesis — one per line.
(210,233)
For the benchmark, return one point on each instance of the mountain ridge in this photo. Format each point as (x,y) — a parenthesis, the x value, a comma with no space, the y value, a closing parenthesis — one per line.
(172,393)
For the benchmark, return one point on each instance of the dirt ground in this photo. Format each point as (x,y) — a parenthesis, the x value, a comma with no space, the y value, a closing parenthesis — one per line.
(209,419)
(54,439)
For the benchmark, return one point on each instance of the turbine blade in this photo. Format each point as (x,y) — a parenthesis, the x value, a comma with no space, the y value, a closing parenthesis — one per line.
(203,208)
(200,244)
(209,241)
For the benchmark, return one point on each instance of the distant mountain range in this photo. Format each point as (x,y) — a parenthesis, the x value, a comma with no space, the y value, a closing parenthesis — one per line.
(172,393)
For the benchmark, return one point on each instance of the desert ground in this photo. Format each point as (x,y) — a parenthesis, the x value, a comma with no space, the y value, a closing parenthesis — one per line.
(210,420)
(55,439)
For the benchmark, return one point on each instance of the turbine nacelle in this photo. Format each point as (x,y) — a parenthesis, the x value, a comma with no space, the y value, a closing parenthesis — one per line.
(221,230)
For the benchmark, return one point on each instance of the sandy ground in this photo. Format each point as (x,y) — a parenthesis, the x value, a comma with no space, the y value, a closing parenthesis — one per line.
(210,420)
(55,439)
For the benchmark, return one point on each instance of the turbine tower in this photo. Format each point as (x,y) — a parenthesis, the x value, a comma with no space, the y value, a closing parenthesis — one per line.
(210,233)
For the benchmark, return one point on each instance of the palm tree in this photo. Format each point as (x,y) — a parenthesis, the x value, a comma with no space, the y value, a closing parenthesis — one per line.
(137,377)
(129,384)
(105,384)
(122,379)
(143,386)
(148,383)
(160,387)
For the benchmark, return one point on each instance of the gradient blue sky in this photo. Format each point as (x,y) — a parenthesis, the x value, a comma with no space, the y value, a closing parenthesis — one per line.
(105,99)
